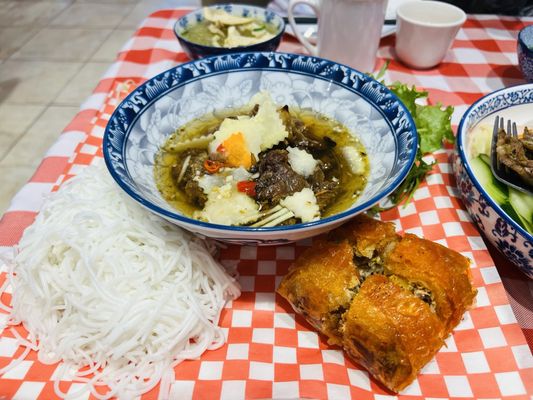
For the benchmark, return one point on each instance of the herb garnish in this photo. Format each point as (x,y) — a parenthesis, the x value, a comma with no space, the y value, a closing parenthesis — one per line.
(433,124)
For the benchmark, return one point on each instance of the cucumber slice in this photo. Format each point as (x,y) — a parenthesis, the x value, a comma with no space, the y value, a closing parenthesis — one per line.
(509,210)
(522,204)
(485,158)
(495,189)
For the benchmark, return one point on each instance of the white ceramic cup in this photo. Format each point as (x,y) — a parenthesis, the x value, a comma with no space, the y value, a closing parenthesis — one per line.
(425,31)
(348,30)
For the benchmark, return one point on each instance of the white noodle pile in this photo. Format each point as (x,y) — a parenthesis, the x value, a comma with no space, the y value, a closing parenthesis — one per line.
(104,285)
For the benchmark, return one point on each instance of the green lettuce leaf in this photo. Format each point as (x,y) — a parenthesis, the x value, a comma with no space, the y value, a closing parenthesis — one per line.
(433,126)
(408,95)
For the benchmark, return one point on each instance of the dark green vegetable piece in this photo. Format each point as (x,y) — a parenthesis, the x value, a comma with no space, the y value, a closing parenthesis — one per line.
(522,204)
(433,124)
(414,178)
(494,188)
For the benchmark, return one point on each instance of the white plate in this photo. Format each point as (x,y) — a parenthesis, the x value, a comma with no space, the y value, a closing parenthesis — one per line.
(309,31)
(280,7)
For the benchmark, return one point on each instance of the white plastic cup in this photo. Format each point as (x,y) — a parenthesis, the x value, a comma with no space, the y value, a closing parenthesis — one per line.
(425,32)
(348,30)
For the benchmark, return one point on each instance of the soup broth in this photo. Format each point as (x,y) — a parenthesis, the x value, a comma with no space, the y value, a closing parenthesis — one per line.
(222,29)
(201,33)
(181,162)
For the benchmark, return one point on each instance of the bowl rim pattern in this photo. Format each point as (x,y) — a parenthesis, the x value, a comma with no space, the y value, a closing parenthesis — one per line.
(461,146)
(227,49)
(308,66)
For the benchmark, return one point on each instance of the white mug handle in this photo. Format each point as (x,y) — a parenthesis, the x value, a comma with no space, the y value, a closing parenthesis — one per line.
(315,5)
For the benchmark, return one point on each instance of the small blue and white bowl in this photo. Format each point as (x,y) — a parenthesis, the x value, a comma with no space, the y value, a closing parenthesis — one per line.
(195,50)
(524,49)
(501,230)
(156,109)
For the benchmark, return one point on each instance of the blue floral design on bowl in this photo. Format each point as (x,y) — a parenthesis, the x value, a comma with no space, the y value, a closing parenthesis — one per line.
(143,121)
(503,232)
(195,50)
(525,52)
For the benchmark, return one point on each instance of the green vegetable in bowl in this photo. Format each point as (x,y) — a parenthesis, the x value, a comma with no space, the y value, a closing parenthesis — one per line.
(496,190)
(522,204)
(518,205)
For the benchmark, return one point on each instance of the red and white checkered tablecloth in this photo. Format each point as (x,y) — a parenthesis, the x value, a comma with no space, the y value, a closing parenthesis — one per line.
(270,352)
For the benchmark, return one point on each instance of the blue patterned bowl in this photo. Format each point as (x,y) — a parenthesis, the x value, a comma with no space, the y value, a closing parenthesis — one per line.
(504,233)
(195,50)
(524,49)
(143,121)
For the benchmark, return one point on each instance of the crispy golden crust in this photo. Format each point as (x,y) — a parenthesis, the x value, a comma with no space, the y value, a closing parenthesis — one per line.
(318,285)
(391,332)
(367,235)
(413,293)
(443,271)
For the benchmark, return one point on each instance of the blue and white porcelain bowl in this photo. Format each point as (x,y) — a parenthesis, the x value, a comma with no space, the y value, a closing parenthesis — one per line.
(524,49)
(143,121)
(504,233)
(195,50)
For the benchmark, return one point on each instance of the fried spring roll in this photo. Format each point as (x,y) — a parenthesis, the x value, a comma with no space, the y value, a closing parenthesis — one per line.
(320,284)
(389,301)
(390,332)
(445,273)
(368,236)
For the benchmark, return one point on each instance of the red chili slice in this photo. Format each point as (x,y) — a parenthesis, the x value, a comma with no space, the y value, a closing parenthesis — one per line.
(212,166)
(246,187)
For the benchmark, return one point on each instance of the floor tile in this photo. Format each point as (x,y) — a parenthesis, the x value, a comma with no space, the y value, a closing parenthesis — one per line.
(82,84)
(29,13)
(93,15)
(50,44)
(7,141)
(146,7)
(13,178)
(17,118)
(31,147)
(35,82)
(13,38)
(109,49)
